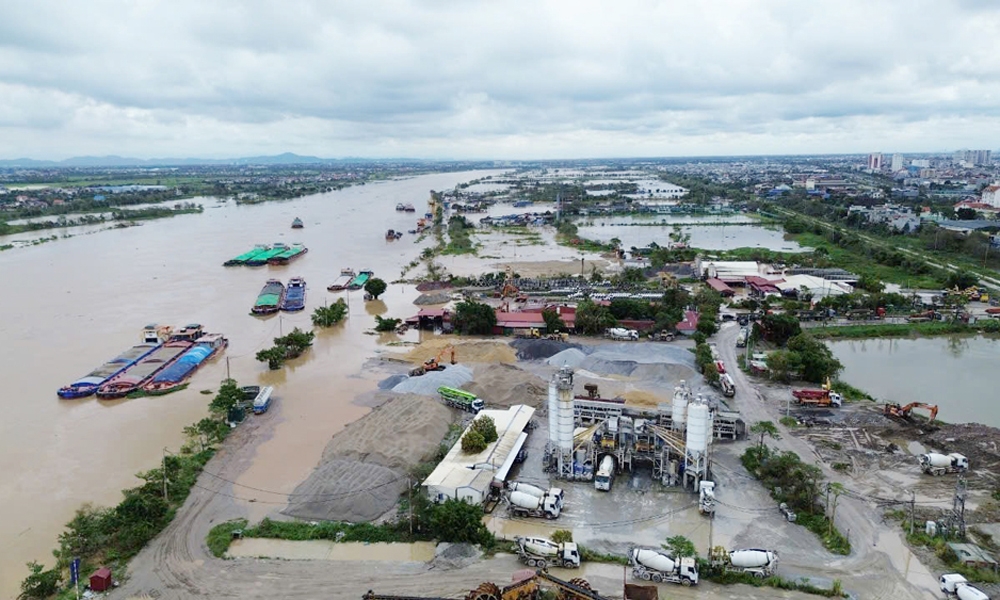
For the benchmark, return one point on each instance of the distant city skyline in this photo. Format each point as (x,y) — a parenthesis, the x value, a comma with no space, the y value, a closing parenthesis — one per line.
(519,80)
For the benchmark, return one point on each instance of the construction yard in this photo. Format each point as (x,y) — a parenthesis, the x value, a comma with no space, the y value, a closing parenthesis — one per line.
(870,455)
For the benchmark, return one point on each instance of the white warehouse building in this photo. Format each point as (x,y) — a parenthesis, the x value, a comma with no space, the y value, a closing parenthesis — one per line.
(469,476)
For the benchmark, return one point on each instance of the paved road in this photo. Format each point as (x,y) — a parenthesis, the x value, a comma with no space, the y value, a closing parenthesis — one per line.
(871,571)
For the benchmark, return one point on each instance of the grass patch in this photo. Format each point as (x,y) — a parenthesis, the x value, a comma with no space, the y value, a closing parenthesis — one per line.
(790,422)
(586,554)
(731,578)
(889,330)
(221,536)
(939,544)
(849,392)
(858,262)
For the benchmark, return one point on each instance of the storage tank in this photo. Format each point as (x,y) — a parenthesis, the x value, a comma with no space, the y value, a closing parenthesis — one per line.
(527,488)
(651,559)
(697,425)
(752,559)
(967,592)
(564,384)
(678,412)
(553,406)
(525,500)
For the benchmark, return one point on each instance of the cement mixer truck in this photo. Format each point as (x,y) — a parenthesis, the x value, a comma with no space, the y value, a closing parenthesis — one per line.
(542,553)
(522,504)
(939,464)
(956,586)
(754,561)
(527,488)
(651,565)
(605,473)
(706,498)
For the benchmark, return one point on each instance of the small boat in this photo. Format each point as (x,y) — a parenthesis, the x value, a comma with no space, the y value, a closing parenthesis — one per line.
(173,376)
(359,282)
(134,378)
(262,401)
(294,251)
(269,298)
(392,234)
(297,223)
(91,382)
(243,258)
(295,295)
(400,207)
(409,208)
(341,283)
(261,259)
(412,232)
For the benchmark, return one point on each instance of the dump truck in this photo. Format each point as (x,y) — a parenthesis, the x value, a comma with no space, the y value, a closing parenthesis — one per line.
(652,565)
(543,553)
(620,333)
(605,473)
(956,586)
(522,504)
(460,399)
(662,336)
(706,498)
(754,561)
(933,463)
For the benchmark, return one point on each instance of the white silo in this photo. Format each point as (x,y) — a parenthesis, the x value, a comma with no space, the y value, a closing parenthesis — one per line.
(553,407)
(697,420)
(678,408)
(561,420)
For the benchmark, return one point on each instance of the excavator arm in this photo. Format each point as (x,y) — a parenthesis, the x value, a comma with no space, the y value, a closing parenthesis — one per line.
(932,409)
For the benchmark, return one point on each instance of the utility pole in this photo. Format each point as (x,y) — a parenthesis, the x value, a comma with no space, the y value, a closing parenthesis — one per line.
(913,508)
(409,502)
(280,332)
(227,368)
(165,498)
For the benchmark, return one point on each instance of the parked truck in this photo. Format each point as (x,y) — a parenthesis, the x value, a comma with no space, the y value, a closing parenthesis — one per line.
(706,498)
(938,464)
(460,399)
(605,473)
(620,333)
(543,553)
(522,504)
(821,397)
(754,561)
(956,586)
(741,339)
(537,492)
(651,565)
(727,385)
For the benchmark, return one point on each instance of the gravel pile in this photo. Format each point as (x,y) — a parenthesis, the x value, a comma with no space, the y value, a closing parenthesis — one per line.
(453,376)
(390,382)
(433,298)
(570,357)
(539,349)
(455,556)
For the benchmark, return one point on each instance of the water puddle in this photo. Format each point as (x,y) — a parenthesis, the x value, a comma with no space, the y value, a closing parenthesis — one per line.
(327,550)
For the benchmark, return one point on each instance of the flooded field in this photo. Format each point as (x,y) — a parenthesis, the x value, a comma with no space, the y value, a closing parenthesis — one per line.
(952,372)
(86,299)
(640,232)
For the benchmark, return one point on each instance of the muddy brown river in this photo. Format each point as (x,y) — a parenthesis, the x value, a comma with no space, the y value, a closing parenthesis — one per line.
(71,304)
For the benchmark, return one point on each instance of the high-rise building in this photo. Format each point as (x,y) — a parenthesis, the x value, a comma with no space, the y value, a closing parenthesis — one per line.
(875,161)
(974,157)
(897,162)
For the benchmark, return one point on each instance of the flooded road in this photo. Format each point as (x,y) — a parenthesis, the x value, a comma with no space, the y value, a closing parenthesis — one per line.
(952,372)
(73,303)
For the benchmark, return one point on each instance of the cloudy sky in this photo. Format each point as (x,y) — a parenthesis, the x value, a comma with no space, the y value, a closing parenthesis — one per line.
(498,79)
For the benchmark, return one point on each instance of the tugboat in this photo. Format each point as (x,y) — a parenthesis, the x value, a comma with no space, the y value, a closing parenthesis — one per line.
(400,207)
(297,223)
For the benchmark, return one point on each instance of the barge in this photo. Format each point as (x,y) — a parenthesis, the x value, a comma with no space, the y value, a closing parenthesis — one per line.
(297,223)
(152,338)
(261,259)
(173,377)
(243,258)
(269,298)
(291,253)
(295,295)
(341,283)
(360,280)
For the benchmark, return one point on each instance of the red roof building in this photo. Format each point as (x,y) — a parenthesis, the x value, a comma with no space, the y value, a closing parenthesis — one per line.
(720,286)
(689,324)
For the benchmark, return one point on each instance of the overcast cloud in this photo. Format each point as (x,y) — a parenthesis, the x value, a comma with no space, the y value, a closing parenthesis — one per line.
(510,79)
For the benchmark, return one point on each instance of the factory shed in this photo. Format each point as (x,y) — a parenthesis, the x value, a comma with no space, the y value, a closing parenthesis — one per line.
(469,476)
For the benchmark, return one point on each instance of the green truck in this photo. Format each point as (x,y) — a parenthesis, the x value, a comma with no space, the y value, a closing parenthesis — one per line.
(460,399)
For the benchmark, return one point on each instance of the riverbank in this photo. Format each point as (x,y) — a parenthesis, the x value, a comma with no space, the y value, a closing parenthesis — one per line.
(890,330)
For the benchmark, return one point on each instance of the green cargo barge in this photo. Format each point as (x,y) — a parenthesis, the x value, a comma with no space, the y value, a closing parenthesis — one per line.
(243,258)
(360,281)
(293,252)
(262,258)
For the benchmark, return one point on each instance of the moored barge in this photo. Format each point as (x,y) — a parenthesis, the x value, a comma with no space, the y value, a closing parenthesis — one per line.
(291,253)
(269,298)
(262,258)
(243,258)
(359,282)
(134,378)
(153,337)
(344,280)
(295,295)
(173,377)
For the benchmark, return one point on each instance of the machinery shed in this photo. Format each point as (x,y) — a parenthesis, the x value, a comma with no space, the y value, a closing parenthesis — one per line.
(469,476)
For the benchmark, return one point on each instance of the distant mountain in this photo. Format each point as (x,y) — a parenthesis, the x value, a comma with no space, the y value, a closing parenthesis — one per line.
(287,158)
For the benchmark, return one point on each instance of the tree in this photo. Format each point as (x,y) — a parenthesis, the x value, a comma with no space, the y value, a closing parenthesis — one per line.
(375,287)
(328,316)
(837,489)
(765,428)
(679,546)
(779,328)
(815,360)
(40,583)
(459,522)
(707,325)
(711,373)
(703,356)
(229,394)
(553,323)
(474,318)
(961,280)
(965,214)
(486,427)
(870,283)
(561,536)
(273,356)
(473,442)
(386,324)
(782,364)
(592,318)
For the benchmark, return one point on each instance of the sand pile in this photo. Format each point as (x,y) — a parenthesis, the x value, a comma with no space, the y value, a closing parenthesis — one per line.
(364,467)
(475,350)
(642,398)
(433,298)
(427,384)
(506,385)
(537,349)
(570,357)
(454,556)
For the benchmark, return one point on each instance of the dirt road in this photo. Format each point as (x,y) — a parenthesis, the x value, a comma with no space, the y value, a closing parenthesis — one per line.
(879,566)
